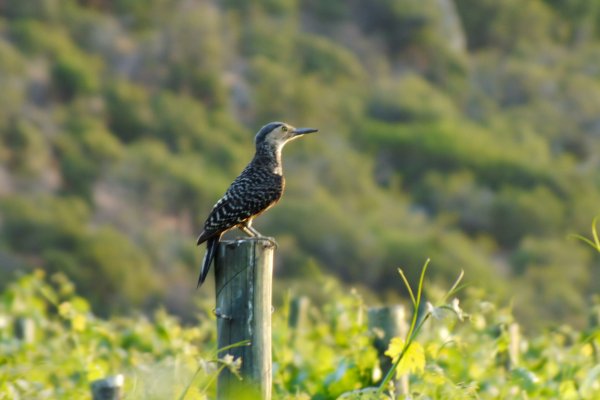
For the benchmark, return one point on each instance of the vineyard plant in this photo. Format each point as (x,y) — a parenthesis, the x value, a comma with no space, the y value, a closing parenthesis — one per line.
(53,347)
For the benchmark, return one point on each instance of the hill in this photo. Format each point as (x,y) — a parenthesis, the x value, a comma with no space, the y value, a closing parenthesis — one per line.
(465,131)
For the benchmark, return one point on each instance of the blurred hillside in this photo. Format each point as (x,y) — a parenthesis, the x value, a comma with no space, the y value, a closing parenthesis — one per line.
(466,131)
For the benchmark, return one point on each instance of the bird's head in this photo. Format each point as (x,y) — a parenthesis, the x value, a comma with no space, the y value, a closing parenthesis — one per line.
(278,134)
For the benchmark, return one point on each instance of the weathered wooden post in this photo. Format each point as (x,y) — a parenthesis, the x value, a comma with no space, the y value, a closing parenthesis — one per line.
(514,344)
(107,388)
(24,329)
(298,318)
(389,322)
(243,275)
(509,356)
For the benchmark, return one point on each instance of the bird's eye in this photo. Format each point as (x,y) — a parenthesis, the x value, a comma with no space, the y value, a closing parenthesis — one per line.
(284,128)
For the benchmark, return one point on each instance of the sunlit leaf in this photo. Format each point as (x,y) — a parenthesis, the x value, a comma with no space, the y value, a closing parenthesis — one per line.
(64,309)
(568,391)
(78,323)
(413,359)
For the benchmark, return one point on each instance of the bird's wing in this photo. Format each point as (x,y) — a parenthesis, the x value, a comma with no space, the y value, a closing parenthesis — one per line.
(244,198)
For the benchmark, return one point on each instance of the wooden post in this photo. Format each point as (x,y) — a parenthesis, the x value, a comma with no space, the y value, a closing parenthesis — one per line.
(387,323)
(514,344)
(299,313)
(24,329)
(509,356)
(107,388)
(243,275)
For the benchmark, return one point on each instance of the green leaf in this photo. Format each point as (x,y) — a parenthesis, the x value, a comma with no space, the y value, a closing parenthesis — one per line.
(596,242)
(413,358)
(525,378)
(410,292)
(595,233)
(568,391)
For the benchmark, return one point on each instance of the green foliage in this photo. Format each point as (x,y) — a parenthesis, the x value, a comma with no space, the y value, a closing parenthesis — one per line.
(11,75)
(327,60)
(84,149)
(72,76)
(402,23)
(196,54)
(181,122)
(392,104)
(407,355)
(262,36)
(327,11)
(419,147)
(331,355)
(33,224)
(582,16)
(42,9)
(129,114)
(154,177)
(515,214)
(109,254)
(72,71)
(507,24)
(71,347)
(25,149)
(56,230)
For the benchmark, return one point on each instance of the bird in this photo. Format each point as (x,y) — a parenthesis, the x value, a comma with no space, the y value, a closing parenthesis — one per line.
(258,188)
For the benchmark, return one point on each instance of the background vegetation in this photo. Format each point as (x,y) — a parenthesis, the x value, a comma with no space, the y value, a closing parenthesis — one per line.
(465,131)
(329,355)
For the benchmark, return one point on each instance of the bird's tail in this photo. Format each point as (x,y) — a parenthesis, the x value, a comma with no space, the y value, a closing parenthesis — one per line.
(211,249)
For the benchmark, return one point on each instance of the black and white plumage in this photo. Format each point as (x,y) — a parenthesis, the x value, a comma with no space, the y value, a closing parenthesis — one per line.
(256,189)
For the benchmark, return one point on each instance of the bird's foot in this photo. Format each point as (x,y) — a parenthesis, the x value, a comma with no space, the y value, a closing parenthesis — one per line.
(248,230)
(270,239)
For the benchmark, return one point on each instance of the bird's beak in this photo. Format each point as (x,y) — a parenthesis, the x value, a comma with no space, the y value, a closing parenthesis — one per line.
(303,131)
